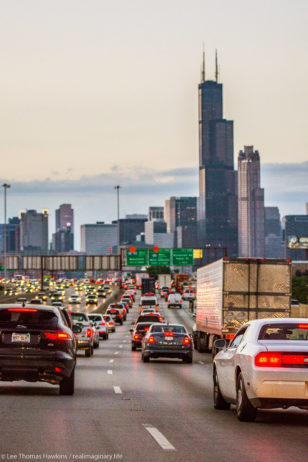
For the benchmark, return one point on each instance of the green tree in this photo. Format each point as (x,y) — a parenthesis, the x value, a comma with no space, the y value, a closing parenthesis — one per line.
(154,271)
(300,288)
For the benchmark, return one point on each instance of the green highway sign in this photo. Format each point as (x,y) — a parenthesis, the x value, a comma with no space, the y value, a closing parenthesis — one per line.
(138,258)
(160,258)
(182,257)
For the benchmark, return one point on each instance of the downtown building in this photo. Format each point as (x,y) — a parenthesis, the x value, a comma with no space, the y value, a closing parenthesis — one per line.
(34,232)
(63,238)
(217,208)
(251,242)
(180,214)
(99,238)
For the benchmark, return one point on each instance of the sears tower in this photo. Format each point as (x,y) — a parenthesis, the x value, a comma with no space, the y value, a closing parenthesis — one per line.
(217,210)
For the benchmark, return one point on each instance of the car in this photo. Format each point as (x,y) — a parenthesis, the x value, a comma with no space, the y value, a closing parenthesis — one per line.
(37,345)
(138,334)
(131,293)
(175,300)
(100,324)
(58,304)
(148,301)
(21,300)
(127,301)
(116,315)
(264,367)
(74,299)
(164,340)
(101,293)
(88,338)
(43,296)
(36,301)
(164,292)
(91,300)
(110,323)
(122,307)
(189,294)
(151,317)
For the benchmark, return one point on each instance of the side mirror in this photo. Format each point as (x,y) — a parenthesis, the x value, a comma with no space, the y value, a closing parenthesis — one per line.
(220,344)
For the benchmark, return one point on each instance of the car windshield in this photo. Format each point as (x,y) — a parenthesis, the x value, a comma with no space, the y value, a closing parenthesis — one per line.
(284,331)
(79,317)
(169,328)
(29,317)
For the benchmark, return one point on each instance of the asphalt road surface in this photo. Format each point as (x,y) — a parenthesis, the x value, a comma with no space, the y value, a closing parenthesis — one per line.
(127,410)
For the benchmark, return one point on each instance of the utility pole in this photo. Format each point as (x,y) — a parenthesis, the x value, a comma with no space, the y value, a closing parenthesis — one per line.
(5,187)
(118,215)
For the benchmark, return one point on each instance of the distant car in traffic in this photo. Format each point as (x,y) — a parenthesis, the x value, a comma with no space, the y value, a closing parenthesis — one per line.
(138,333)
(175,300)
(264,367)
(100,324)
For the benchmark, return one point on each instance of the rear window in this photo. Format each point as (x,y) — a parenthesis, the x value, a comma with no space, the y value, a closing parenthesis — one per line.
(148,302)
(148,318)
(141,327)
(289,331)
(175,329)
(79,317)
(95,317)
(38,319)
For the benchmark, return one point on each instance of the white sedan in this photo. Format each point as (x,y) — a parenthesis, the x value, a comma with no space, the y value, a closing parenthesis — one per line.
(265,366)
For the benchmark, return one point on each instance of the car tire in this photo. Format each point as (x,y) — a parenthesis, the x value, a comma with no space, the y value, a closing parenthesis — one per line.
(145,359)
(96,345)
(88,352)
(67,386)
(188,359)
(134,348)
(121,322)
(219,401)
(244,409)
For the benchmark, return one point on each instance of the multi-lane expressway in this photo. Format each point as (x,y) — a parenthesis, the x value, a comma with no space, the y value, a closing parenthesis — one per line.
(124,409)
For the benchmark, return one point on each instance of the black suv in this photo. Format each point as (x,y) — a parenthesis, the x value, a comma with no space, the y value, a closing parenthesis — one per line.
(116,314)
(37,344)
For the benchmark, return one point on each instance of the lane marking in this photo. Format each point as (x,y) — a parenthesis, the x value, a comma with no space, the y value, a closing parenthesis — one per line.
(117,390)
(159,437)
(109,372)
(201,362)
(116,353)
(111,360)
(120,346)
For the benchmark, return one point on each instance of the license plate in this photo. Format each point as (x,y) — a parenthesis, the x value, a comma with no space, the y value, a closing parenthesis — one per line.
(24,338)
(169,339)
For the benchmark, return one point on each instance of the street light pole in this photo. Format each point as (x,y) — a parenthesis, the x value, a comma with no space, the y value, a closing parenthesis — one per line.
(5,187)
(118,214)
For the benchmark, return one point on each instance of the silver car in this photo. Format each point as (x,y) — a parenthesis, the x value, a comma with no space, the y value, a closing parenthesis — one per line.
(264,367)
(100,325)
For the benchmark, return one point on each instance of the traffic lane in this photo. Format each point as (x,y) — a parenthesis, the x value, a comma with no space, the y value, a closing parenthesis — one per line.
(178,397)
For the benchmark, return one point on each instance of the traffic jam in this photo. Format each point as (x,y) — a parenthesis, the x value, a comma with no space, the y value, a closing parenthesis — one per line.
(258,364)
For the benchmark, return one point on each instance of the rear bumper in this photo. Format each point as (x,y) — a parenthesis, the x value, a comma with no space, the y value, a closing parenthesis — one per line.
(165,353)
(84,344)
(136,344)
(36,367)
(286,384)
(175,304)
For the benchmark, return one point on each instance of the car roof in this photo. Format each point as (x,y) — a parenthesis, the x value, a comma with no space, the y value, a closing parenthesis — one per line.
(34,306)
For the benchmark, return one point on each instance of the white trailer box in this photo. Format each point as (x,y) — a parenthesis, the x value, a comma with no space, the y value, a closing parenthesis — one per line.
(164,280)
(232,291)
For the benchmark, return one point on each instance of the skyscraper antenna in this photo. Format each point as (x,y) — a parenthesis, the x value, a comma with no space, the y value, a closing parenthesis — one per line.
(216,66)
(203,66)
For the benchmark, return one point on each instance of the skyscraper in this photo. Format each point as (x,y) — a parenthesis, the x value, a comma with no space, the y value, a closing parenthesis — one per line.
(63,238)
(250,205)
(217,208)
(273,233)
(180,214)
(34,232)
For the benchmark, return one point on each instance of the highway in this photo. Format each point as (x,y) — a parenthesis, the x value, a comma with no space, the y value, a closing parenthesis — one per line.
(124,409)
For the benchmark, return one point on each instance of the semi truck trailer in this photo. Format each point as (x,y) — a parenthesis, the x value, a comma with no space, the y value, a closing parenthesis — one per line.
(232,291)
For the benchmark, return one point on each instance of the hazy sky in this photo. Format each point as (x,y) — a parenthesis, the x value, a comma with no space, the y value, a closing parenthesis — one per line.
(95,89)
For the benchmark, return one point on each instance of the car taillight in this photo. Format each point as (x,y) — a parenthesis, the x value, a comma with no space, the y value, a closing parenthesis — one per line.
(151,340)
(23,310)
(160,318)
(268,359)
(102,324)
(186,341)
(120,315)
(146,329)
(58,369)
(136,337)
(89,333)
(302,326)
(168,334)
(57,336)
(111,323)
(230,336)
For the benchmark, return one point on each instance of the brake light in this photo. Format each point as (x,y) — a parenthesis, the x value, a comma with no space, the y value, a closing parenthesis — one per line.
(23,310)
(268,359)
(89,333)
(168,334)
(120,315)
(58,369)
(102,324)
(230,336)
(57,336)
(146,329)
(302,326)
(150,314)
(136,337)
(111,323)
(151,340)
(186,341)
(160,318)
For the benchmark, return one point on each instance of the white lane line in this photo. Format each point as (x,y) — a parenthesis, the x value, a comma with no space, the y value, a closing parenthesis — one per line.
(124,341)
(120,346)
(111,360)
(116,353)
(159,437)
(201,362)
(117,390)
(109,372)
